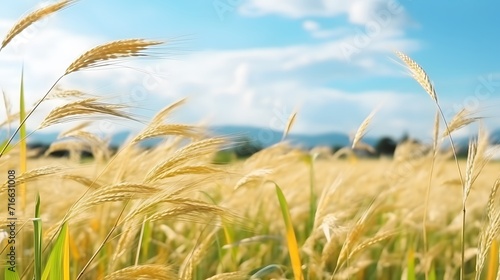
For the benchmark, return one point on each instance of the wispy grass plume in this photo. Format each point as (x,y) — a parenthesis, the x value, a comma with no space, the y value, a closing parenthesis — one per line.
(32,18)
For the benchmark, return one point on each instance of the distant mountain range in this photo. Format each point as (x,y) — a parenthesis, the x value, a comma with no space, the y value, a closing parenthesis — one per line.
(261,136)
(267,137)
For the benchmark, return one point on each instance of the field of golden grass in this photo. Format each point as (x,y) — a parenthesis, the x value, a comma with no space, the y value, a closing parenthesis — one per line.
(170,212)
(200,220)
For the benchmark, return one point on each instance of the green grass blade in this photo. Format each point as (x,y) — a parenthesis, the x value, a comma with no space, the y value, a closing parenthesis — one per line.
(410,264)
(432,273)
(293,248)
(37,222)
(146,239)
(11,275)
(58,265)
(22,143)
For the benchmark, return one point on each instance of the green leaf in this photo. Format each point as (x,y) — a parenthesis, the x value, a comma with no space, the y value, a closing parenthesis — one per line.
(58,265)
(37,222)
(410,264)
(22,142)
(293,248)
(11,275)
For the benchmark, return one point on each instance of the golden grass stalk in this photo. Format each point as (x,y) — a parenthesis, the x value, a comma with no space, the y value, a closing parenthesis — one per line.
(8,109)
(98,146)
(256,175)
(362,129)
(32,18)
(435,151)
(423,79)
(435,139)
(116,192)
(419,75)
(184,208)
(189,170)
(482,158)
(96,57)
(77,127)
(469,170)
(461,119)
(100,55)
(352,238)
(489,232)
(60,93)
(188,131)
(165,112)
(33,174)
(289,125)
(189,265)
(128,234)
(90,183)
(88,106)
(229,276)
(147,271)
(369,242)
(193,150)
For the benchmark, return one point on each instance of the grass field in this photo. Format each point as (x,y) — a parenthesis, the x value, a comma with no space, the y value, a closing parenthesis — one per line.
(170,212)
(197,223)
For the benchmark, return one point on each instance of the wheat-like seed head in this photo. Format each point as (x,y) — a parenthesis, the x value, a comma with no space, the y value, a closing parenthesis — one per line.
(128,233)
(160,116)
(187,268)
(190,170)
(369,242)
(100,55)
(289,124)
(461,119)
(193,150)
(469,171)
(238,275)
(146,271)
(188,131)
(89,106)
(490,209)
(83,180)
(256,175)
(32,18)
(419,75)
(60,93)
(33,174)
(489,232)
(362,129)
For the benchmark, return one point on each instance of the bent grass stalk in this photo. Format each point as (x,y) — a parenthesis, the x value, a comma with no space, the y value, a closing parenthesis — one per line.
(423,79)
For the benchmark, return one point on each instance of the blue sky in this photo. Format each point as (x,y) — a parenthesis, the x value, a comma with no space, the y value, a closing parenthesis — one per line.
(253,62)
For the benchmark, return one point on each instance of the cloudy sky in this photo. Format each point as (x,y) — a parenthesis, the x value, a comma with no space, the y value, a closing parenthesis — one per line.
(254,62)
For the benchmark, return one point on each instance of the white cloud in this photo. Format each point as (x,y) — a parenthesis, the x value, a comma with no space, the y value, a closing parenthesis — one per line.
(250,86)
(259,86)
(358,11)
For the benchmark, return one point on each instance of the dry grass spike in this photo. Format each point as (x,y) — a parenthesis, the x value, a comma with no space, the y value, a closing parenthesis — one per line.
(32,18)
(99,55)
(419,75)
